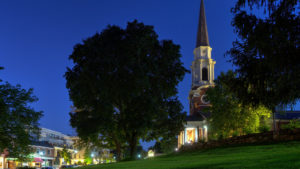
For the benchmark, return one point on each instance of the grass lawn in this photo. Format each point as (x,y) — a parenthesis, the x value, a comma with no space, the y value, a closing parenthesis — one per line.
(281,156)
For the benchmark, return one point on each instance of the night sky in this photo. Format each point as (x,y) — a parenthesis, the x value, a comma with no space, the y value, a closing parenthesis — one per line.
(36,38)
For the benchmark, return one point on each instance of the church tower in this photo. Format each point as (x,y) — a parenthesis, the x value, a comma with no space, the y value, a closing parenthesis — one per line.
(202,67)
(196,126)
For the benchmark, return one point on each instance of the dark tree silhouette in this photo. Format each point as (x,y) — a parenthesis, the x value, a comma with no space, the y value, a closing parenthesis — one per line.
(266,52)
(18,121)
(123,85)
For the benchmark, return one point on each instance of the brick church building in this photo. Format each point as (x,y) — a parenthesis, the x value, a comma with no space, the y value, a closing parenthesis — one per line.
(195,129)
(202,78)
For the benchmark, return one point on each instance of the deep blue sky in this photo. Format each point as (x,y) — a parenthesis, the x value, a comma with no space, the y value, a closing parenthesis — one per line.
(36,38)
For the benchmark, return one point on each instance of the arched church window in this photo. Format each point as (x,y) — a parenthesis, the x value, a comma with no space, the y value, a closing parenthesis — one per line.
(204,74)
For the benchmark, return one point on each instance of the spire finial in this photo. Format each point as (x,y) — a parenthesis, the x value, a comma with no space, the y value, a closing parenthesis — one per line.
(202,34)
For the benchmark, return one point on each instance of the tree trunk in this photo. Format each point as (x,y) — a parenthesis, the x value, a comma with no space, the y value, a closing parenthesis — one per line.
(274,121)
(118,151)
(132,146)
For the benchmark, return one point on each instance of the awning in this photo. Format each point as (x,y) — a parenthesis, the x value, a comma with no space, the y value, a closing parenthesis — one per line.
(38,160)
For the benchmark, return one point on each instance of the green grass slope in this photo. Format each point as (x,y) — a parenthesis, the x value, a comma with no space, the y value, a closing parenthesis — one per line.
(281,156)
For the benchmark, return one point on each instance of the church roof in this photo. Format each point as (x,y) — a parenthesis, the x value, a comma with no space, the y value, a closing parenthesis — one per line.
(198,116)
(202,34)
(194,118)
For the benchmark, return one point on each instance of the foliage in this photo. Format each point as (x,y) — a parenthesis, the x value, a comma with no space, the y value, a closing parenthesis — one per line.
(266,52)
(87,157)
(56,160)
(293,124)
(141,152)
(88,160)
(156,147)
(283,155)
(264,128)
(66,155)
(123,85)
(228,115)
(168,145)
(18,121)
(165,145)
(88,145)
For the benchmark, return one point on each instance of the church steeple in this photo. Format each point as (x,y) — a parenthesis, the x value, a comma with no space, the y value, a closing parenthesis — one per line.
(202,34)
(203,64)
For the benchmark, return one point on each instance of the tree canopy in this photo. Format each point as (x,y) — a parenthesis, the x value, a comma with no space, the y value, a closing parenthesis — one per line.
(229,116)
(124,86)
(18,120)
(266,52)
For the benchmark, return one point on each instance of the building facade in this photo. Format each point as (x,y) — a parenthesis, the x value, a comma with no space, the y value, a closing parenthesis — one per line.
(46,152)
(57,141)
(202,78)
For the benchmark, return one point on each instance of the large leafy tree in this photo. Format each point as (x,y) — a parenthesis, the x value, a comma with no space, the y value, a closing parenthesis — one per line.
(266,52)
(18,120)
(229,116)
(123,85)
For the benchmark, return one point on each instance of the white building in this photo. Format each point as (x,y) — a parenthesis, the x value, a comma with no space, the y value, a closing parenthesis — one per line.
(56,138)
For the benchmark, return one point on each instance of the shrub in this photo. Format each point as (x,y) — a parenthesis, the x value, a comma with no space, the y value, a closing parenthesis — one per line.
(235,134)
(247,131)
(292,125)
(212,136)
(201,141)
(263,128)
